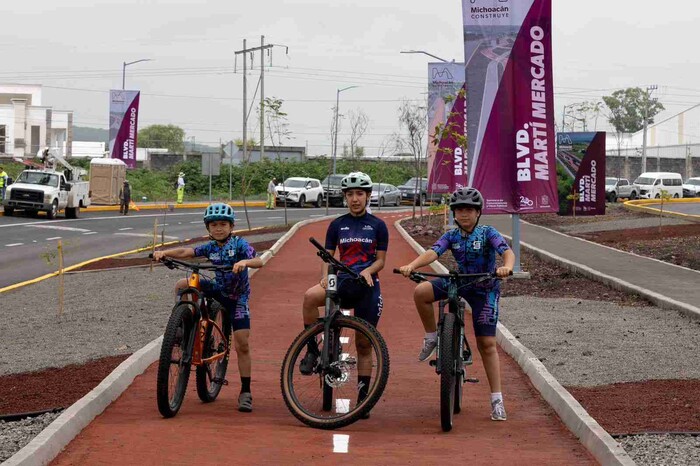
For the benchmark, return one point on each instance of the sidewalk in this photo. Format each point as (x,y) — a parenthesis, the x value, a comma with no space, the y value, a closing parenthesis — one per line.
(404,427)
(669,286)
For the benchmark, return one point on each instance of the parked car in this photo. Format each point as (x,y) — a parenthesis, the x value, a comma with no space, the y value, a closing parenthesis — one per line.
(385,194)
(619,187)
(691,187)
(299,191)
(408,192)
(331,188)
(650,184)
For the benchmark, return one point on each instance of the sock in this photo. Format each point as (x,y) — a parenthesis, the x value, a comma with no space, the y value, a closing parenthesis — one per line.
(497,396)
(245,384)
(363,384)
(432,336)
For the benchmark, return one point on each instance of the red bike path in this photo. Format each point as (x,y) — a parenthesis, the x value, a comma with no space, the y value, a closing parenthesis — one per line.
(404,427)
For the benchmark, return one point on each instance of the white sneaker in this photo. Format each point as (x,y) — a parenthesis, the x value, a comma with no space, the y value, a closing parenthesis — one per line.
(429,347)
(498,411)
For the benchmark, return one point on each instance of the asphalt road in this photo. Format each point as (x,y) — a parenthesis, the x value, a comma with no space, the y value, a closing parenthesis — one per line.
(28,246)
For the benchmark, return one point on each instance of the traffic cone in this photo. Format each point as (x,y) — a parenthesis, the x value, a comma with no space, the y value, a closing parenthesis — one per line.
(132,205)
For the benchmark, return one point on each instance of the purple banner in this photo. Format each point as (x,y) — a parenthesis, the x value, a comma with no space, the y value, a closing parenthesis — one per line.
(123,125)
(510,104)
(581,157)
(447,168)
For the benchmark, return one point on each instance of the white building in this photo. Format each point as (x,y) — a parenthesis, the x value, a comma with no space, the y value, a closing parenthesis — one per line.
(26,125)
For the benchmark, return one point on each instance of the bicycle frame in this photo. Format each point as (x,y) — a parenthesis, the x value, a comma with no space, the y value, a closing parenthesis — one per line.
(200,311)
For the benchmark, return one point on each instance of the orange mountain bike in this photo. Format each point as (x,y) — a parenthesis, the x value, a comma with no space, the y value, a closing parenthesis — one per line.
(198,334)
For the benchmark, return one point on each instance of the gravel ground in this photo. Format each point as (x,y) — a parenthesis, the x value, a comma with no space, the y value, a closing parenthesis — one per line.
(15,435)
(663,450)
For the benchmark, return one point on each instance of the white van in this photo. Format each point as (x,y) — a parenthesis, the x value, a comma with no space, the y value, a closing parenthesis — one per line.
(651,183)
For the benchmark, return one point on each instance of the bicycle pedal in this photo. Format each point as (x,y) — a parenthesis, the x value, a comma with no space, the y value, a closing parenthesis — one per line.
(472,380)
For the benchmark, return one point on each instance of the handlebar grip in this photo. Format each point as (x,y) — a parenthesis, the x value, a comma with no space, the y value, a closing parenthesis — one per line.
(397,271)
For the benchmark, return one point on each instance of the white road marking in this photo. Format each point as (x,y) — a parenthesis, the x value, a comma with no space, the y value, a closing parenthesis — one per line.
(57,227)
(51,239)
(342,406)
(269,218)
(345,312)
(14,244)
(340,443)
(145,235)
(124,229)
(316,215)
(196,222)
(344,340)
(90,233)
(164,224)
(344,356)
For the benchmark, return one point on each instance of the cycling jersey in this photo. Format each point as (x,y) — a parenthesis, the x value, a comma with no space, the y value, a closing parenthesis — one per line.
(474,253)
(235,286)
(357,239)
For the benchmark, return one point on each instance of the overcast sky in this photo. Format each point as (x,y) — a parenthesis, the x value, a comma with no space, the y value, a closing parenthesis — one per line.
(75,49)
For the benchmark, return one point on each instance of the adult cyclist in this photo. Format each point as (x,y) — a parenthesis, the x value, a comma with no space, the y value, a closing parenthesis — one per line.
(362,240)
(474,248)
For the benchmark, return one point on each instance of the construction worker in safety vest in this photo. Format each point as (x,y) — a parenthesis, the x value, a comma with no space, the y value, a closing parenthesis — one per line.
(180,187)
(3,183)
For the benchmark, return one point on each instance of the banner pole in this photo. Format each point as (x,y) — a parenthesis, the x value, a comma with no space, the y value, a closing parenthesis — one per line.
(516,242)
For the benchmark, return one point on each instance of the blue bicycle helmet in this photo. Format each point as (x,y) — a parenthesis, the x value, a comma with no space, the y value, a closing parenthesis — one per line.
(219,211)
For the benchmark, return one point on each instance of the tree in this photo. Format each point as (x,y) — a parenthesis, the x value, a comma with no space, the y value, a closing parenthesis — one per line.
(359,122)
(250,142)
(169,137)
(627,109)
(278,130)
(581,113)
(413,122)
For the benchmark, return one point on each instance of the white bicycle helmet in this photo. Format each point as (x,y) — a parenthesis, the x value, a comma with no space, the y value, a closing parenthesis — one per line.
(356,180)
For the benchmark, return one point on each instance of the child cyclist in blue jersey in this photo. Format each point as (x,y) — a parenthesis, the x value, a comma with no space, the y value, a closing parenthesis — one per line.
(474,248)
(362,240)
(231,289)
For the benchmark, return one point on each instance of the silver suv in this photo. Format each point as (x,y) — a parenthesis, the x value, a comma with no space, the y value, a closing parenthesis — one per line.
(299,191)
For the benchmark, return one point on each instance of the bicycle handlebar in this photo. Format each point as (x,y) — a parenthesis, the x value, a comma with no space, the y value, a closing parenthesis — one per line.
(479,277)
(172,263)
(328,259)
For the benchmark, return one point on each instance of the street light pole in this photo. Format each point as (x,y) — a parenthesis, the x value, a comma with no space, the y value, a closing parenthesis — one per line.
(428,54)
(649,90)
(335,128)
(125,64)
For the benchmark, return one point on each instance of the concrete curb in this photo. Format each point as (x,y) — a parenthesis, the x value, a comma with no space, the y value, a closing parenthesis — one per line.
(640,205)
(49,443)
(592,436)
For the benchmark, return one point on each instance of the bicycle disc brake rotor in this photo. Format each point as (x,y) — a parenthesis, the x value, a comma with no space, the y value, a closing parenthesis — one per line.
(340,372)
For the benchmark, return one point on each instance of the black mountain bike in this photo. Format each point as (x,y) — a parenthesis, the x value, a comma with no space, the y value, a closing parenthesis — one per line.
(347,348)
(198,333)
(453,351)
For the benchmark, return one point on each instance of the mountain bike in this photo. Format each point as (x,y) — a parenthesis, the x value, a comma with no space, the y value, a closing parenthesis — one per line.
(347,347)
(198,334)
(453,353)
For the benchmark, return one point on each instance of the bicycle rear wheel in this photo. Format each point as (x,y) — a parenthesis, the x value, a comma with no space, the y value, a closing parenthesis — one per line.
(175,359)
(211,376)
(306,396)
(459,362)
(448,373)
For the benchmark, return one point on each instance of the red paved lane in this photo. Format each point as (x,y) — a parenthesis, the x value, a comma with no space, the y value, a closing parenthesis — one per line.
(404,427)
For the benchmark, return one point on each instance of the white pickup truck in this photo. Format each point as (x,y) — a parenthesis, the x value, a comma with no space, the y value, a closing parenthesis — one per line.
(49,191)
(619,187)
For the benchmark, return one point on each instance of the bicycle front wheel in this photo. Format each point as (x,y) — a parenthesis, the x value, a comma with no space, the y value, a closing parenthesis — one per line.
(175,359)
(448,370)
(361,352)
(211,376)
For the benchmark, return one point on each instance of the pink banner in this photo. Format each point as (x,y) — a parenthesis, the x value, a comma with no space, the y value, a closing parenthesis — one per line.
(510,104)
(123,125)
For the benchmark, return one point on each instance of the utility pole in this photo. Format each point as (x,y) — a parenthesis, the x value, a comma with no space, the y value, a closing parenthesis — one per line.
(262,97)
(650,89)
(243,52)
